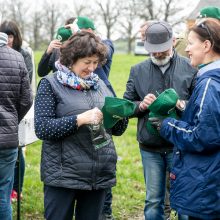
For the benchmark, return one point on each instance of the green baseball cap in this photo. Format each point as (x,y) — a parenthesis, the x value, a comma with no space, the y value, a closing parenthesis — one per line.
(63,34)
(210,12)
(164,102)
(116,109)
(163,107)
(85,23)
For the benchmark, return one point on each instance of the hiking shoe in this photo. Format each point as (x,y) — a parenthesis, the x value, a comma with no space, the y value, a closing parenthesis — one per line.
(14,196)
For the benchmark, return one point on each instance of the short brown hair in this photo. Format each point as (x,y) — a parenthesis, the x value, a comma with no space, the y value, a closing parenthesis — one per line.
(81,45)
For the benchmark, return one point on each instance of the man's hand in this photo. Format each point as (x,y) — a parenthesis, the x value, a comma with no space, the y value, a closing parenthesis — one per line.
(148,99)
(156,122)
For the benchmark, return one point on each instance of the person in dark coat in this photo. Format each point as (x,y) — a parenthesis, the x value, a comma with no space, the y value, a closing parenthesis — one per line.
(78,160)
(16,100)
(15,41)
(195,176)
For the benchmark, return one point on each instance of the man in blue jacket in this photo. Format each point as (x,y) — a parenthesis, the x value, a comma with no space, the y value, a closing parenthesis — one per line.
(164,69)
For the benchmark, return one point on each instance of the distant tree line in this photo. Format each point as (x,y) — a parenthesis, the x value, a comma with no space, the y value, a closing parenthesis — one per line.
(39,21)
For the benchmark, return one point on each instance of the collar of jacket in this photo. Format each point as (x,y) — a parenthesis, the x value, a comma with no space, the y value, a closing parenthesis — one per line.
(3,39)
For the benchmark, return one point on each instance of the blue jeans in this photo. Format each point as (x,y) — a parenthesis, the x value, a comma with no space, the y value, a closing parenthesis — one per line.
(155,166)
(7,163)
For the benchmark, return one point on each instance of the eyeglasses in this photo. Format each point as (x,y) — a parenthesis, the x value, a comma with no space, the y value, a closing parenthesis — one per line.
(203,26)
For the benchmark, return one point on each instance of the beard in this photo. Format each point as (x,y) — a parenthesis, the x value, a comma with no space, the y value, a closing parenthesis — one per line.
(159,61)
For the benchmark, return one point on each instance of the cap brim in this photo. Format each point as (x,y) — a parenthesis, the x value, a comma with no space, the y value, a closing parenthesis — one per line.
(156,48)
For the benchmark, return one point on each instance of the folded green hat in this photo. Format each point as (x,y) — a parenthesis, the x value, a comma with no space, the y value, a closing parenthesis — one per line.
(210,12)
(154,131)
(63,34)
(85,23)
(164,102)
(115,109)
(163,107)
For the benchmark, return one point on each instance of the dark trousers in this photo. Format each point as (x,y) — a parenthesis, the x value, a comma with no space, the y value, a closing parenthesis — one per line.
(60,203)
(107,209)
(22,171)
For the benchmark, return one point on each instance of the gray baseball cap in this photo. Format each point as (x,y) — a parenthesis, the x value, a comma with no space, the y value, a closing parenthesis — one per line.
(159,37)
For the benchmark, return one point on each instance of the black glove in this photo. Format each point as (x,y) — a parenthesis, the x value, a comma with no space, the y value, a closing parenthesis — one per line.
(156,122)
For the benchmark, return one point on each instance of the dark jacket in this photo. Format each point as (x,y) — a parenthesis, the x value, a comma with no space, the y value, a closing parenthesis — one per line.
(28,62)
(147,77)
(47,64)
(71,160)
(16,96)
(195,178)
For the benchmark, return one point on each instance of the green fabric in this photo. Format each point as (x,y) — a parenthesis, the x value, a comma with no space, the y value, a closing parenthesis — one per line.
(154,131)
(210,12)
(115,109)
(85,23)
(63,34)
(202,65)
(163,107)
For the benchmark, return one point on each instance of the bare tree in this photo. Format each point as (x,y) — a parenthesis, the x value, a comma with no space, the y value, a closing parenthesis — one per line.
(108,11)
(52,17)
(159,10)
(18,10)
(4,13)
(136,11)
(128,20)
(78,9)
(36,24)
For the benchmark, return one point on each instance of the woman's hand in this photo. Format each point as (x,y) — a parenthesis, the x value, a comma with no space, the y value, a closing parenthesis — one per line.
(93,116)
(53,44)
(74,27)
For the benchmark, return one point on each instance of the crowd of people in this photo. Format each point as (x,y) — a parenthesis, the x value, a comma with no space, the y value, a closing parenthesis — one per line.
(175,99)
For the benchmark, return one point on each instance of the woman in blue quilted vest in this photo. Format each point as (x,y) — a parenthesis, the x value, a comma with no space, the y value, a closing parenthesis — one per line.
(78,160)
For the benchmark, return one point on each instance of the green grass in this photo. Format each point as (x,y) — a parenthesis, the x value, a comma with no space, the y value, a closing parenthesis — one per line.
(129,193)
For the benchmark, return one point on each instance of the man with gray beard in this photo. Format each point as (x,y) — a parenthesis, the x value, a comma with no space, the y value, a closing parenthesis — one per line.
(164,69)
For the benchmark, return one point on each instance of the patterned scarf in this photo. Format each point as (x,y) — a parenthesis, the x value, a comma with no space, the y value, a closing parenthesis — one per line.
(69,78)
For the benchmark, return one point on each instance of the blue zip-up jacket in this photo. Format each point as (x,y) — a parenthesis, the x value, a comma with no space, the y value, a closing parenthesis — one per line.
(195,176)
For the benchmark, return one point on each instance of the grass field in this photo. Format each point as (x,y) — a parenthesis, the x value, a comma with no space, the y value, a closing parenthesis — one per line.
(128,195)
